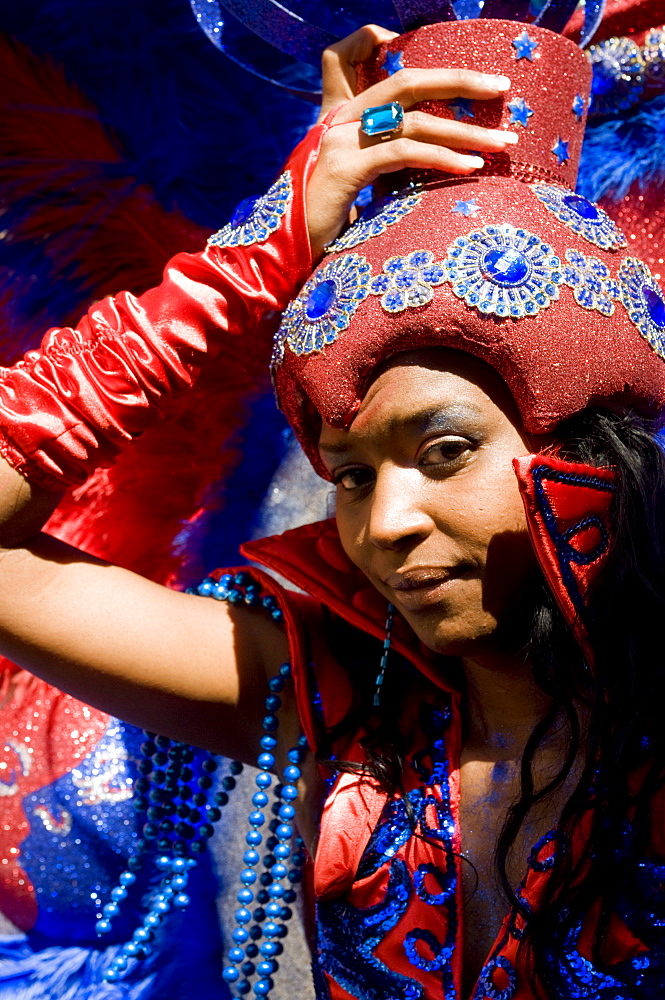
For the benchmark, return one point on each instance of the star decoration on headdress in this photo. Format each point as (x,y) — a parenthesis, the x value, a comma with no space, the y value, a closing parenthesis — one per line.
(461,108)
(578,106)
(524,46)
(393,62)
(469,208)
(520,112)
(560,150)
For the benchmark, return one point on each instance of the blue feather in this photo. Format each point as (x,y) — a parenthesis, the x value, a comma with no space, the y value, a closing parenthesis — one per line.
(619,152)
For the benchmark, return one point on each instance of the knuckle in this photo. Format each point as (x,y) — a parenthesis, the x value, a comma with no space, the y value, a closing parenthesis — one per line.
(406,79)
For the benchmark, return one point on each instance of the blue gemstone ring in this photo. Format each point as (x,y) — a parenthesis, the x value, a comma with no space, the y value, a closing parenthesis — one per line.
(383,121)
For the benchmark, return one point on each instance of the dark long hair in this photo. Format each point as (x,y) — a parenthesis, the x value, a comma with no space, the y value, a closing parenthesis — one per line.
(622,698)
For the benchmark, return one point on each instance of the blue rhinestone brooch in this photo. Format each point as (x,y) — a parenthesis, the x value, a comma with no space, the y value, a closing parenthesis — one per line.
(407,281)
(618,75)
(591,283)
(376,218)
(324,307)
(503,271)
(255,219)
(584,217)
(644,302)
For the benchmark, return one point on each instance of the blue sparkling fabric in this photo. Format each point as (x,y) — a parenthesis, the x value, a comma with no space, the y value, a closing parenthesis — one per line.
(590,280)
(255,219)
(324,307)
(584,217)
(503,271)
(376,218)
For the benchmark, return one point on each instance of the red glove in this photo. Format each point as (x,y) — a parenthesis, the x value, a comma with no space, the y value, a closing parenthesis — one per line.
(70,406)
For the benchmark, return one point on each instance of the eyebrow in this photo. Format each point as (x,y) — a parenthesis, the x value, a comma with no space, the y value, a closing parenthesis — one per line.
(427,420)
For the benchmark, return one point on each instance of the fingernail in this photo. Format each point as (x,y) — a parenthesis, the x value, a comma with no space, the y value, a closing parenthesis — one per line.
(510,138)
(473,161)
(496,82)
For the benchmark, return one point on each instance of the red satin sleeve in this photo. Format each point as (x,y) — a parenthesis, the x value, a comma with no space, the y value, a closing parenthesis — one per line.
(70,406)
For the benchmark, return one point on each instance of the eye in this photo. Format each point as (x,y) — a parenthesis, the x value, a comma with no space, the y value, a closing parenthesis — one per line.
(446,451)
(353,478)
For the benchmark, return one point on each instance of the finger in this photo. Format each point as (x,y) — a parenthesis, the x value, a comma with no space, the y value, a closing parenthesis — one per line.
(338,63)
(409,86)
(444,132)
(403,153)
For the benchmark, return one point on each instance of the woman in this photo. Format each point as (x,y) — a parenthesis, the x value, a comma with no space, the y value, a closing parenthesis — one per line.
(477,725)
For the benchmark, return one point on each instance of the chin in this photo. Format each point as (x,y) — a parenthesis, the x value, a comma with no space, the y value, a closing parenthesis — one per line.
(456,636)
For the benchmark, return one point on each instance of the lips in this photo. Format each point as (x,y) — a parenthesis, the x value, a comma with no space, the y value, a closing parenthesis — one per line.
(416,588)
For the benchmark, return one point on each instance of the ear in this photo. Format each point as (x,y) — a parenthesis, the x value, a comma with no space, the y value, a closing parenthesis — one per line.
(568,513)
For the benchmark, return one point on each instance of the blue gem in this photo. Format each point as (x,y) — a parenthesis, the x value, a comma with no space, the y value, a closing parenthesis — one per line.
(407,281)
(579,205)
(469,208)
(560,150)
(320,299)
(524,46)
(520,112)
(582,216)
(393,62)
(382,119)
(243,210)
(506,267)
(655,305)
(578,106)
(618,75)
(461,108)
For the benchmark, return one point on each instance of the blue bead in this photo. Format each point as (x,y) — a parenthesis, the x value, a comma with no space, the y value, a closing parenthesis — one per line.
(127,878)
(256,818)
(236,767)
(260,799)
(295,755)
(118,893)
(273,703)
(259,914)
(273,910)
(142,934)
(286,812)
(111,976)
(270,723)
(230,974)
(248,968)
(131,948)
(243,210)
(251,857)
(253,838)
(270,948)
(285,670)
(277,683)
(103,926)
(251,950)
(279,871)
(291,773)
(181,900)
(381,119)
(243,987)
(236,955)
(295,877)
(276,891)
(265,761)
(290,896)
(242,915)
(160,906)
(289,792)
(240,935)
(111,910)
(179,865)
(282,851)
(655,305)
(267,968)
(152,920)
(247,877)
(263,779)
(271,929)
(268,742)
(505,266)
(245,896)
(262,987)
(179,881)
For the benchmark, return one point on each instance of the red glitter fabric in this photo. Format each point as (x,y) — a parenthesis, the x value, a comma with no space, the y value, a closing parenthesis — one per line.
(574,350)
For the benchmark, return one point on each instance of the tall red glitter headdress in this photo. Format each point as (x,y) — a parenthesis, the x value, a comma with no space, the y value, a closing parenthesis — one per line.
(509,265)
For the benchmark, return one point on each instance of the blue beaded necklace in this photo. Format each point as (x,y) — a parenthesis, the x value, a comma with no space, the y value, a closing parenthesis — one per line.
(181,811)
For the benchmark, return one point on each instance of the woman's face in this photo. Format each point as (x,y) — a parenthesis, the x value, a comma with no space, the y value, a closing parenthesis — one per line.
(428,505)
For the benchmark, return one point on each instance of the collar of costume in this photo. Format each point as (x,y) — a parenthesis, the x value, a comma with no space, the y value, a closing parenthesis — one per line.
(509,265)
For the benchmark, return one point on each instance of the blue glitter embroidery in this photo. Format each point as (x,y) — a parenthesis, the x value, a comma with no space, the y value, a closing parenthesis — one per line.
(524,46)
(377,217)
(520,112)
(441,953)
(503,271)
(486,987)
(255,219)
(644,302)
(445,881)
(586,219)
(560,150)
(408,281)
(348,938)
(469,208)
(324,307)
(591,282)
(393,62)
(544,864)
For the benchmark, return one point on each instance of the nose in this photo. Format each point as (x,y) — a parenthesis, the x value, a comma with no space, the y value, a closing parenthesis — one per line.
(398,517)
